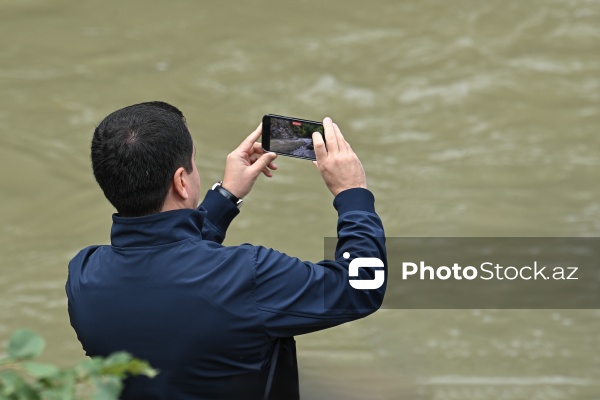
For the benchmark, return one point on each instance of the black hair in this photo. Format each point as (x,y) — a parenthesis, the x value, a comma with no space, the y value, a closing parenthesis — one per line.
(135,153)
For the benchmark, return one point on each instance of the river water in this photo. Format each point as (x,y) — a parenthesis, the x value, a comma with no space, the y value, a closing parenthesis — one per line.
(472,118)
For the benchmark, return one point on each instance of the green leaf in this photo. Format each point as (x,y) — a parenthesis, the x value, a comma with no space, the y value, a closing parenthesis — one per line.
(12,386)
(140,367)
(24,344)
(120,364)
(59,393)
(60,387)
(40,370)
(26,392)
(87,368)
(118,358)
(96,378)
(9,382)
(6,360)
(107,388)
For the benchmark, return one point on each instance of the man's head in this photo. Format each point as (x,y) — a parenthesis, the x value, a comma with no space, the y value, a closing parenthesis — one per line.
(139,152)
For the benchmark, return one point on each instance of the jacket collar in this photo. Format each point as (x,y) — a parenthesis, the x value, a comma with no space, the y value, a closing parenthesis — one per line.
(157,229)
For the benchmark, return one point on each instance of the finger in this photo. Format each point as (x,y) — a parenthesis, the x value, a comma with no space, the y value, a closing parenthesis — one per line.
(330,137)
(343,145)
(267,173)
(257,148)
(252,158)
(255,157)
(349,147)
(316,164)
(319,146)
(262,162)
(250,141)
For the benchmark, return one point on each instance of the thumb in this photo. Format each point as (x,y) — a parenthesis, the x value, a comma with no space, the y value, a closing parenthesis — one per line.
(262,162)
(319,145)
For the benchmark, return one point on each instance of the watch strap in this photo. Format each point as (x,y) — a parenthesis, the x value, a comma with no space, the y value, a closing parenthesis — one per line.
(218,187)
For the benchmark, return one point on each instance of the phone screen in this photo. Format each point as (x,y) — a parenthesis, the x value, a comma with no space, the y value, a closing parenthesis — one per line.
(290,136)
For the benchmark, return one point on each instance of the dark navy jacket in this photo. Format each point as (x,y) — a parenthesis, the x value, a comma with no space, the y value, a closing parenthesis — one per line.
(207,315)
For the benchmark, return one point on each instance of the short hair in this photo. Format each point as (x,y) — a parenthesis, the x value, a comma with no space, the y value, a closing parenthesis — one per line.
(135,153)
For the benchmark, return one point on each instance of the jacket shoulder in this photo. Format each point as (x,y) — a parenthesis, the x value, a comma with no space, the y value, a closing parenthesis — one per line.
(82,257)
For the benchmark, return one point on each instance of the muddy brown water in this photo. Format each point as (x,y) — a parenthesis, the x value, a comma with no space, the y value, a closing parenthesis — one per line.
(472,118)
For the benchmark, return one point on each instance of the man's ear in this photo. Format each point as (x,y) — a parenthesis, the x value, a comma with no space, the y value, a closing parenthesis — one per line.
(180,183)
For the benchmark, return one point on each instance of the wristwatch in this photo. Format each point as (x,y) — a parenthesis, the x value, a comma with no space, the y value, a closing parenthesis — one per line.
(218,187)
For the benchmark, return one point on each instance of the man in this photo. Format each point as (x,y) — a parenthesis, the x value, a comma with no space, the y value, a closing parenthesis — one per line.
(217,322)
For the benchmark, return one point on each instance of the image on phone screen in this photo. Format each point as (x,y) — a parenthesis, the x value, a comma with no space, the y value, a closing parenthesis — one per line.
(290,136)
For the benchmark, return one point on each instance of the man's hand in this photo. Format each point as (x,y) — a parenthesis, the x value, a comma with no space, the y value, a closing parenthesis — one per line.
(338,164)
(245,163)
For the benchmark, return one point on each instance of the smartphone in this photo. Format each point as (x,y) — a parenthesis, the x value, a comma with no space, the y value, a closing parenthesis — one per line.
(290,136)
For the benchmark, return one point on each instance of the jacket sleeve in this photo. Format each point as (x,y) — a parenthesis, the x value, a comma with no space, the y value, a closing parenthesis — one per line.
(296,297)
(219,212)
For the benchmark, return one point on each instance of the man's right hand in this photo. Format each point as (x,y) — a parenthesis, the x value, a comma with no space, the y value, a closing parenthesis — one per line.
(338,164)
(245,164)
